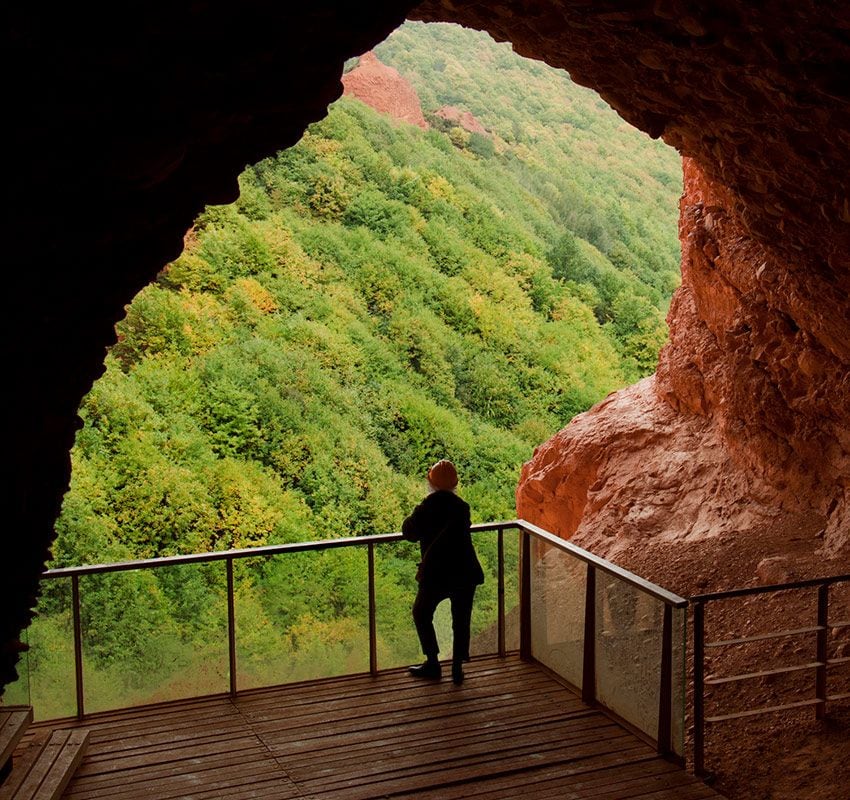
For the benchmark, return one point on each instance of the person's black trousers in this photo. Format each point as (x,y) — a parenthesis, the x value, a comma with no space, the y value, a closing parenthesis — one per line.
(427,600)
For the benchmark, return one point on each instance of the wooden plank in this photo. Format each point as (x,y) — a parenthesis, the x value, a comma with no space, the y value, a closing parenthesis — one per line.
(25,758)
(192,782)
(364,742)
(553,782)
(384,681)
(50,772)
(257,759)
(14,721)
(64,766)
(42,766)
(428,775)
(316,727)
(444,751)
(427,696)
(413,785)
(610,783)
(153,756)
(477,681)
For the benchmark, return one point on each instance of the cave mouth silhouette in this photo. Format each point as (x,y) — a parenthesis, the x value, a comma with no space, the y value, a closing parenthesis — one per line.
(127,134)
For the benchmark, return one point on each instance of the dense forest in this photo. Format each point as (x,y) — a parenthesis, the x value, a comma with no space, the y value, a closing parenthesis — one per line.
(378,298)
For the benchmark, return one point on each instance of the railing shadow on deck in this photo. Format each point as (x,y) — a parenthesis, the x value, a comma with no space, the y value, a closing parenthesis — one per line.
(617,639)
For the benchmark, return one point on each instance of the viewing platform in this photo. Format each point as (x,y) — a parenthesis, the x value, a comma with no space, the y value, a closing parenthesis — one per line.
(511,730)
(578,687)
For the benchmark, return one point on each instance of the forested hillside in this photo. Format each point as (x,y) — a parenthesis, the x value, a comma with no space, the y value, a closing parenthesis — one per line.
(378,298)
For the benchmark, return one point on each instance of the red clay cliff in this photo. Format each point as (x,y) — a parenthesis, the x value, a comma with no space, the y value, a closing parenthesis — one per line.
(382,88)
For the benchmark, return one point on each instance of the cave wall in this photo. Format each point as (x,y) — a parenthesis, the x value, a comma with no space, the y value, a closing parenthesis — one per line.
(125,122)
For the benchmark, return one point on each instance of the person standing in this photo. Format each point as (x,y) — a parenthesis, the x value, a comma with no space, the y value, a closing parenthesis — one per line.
(449,569)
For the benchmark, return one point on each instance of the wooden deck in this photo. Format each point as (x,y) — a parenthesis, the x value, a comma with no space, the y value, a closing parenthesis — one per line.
(510,731)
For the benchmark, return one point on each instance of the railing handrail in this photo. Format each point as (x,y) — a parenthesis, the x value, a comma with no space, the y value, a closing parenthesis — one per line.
(381,538)
(774,587)
(652,589)
(246,552)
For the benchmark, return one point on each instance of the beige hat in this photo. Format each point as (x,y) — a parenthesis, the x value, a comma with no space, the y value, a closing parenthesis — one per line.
(443,475)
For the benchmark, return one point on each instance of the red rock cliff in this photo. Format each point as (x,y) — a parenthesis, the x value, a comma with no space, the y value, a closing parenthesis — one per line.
(382,88)
(743,428)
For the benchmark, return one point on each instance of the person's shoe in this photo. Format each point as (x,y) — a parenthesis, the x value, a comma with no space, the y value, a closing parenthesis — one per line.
(457,672)
(430,670)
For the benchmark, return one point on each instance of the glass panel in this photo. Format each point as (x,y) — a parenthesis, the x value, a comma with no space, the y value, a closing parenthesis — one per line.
(395,590)
(680,679)
(628,651)
(511,539)
(558,582)
(485,612)
(301,616)
(46,671)
(396,587)
(154,635)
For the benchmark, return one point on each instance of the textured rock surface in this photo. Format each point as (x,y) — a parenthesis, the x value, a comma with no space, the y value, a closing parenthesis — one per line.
(382,88)
(465,119)
(121,131)
(745,424)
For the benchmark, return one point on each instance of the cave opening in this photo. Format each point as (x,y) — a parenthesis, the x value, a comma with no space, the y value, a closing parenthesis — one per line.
(449,284)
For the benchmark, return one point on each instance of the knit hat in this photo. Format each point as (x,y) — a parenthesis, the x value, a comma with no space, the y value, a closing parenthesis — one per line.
(443,475)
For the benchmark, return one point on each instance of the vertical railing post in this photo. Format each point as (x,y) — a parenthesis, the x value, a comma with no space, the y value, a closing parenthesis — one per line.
(373,632)
(78,644)
(231,627)
(822,650)
(665,699)
(588,672)
(500,542)
(699,688)
(525,597)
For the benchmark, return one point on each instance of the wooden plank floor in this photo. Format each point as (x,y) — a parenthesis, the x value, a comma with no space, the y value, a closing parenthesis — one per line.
(511,731)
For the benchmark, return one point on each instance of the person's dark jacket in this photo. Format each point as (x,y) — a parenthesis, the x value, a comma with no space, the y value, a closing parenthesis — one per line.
(440,523)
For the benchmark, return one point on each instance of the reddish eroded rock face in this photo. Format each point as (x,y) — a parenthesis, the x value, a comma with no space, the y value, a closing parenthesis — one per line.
(744,427)
(465,119)
(382,88)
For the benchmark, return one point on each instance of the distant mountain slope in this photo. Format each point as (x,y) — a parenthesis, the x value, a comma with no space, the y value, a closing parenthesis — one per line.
(601,179)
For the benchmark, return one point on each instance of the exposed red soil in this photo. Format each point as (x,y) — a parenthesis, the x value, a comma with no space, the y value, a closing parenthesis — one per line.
(465,119)
(382,88)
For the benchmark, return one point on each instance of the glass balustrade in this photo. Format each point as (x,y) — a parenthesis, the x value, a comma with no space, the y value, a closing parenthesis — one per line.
(153,635)
(291,627)
(46,670)
(164,630)
(558,585)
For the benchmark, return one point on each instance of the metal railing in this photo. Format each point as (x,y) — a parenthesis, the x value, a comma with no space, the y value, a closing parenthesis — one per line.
(588,682)
(820,665)
(229,557)
(593,565)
